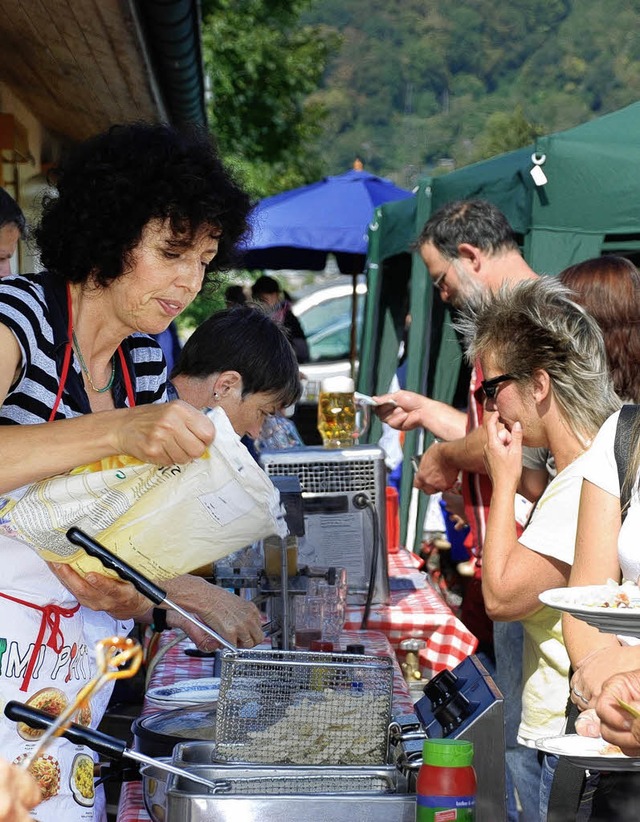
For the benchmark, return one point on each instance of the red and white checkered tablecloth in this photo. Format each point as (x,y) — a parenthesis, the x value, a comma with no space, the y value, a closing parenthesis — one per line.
(422,614)
(175,666)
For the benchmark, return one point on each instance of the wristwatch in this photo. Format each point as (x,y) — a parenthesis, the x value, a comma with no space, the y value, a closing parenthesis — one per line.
(159,620)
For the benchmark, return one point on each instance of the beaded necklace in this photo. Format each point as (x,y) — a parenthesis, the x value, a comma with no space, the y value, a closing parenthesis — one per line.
(83,365)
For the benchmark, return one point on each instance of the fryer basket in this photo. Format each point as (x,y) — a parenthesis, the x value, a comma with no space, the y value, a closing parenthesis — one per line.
(278,783)
(303,708)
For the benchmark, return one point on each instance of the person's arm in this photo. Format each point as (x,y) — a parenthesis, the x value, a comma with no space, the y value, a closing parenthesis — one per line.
(19,793)
(594,655)
(412,410)
(512,574)
(596,560)
(236,619)
(442,462)
(163,434)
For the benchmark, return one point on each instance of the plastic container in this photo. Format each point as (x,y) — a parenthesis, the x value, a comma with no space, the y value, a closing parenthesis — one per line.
(273,556)
(446,786)
(393,519)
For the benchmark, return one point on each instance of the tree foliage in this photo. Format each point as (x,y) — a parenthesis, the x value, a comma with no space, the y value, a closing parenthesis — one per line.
(420,81)
(506,131)
(263,66)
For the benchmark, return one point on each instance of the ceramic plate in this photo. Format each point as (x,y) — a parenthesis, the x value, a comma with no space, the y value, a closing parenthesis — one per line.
(586,603)
(588,752)
(185,693)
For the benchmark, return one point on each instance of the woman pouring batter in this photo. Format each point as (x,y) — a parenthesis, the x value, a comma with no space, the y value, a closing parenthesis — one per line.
(142,214)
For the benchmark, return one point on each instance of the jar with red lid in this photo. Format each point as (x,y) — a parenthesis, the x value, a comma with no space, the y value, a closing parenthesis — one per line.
(446,786)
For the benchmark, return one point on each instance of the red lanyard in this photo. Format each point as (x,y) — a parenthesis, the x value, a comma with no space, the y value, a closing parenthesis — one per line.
(67,359)
(51,616)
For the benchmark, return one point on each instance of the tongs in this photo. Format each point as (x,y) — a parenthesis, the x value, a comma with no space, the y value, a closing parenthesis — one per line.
(139,581)
(112,655)
(109,746)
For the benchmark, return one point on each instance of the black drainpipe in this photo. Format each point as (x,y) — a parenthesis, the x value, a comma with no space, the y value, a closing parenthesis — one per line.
(172,33)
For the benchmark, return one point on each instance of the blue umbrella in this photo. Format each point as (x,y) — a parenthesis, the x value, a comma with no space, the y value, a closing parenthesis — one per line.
(298,228)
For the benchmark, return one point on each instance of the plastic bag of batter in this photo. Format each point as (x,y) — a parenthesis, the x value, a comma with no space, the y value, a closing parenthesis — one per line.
(164,521)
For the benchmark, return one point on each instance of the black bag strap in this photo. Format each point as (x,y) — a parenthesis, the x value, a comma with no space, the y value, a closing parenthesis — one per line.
(623,446)
(568,780)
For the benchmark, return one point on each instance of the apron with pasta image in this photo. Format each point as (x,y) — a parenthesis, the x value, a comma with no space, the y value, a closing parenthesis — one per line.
(46,656)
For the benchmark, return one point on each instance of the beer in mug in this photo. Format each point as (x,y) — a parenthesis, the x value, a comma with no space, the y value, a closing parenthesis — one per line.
(337,422)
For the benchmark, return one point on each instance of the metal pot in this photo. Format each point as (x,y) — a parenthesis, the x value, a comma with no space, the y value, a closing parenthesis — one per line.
(157,734)
(154,788)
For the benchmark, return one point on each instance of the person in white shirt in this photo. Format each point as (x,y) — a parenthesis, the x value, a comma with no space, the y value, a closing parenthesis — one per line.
(547,382)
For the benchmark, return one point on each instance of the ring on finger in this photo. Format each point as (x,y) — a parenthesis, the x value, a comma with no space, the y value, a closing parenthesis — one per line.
(579,695)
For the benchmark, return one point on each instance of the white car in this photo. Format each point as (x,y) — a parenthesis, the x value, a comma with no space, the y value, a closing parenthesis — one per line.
(325,316)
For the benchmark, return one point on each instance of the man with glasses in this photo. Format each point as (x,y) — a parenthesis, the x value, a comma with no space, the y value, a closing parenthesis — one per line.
(468,247)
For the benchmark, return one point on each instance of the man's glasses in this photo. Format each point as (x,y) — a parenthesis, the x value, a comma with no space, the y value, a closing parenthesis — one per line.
(439,281)
(490,387)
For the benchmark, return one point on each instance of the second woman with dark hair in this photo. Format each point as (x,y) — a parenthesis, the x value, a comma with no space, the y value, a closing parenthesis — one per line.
(242,361)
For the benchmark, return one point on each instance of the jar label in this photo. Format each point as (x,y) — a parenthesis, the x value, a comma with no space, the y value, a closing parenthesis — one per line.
(445,808)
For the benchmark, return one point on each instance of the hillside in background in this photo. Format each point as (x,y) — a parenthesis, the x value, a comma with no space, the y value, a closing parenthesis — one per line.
(421,86)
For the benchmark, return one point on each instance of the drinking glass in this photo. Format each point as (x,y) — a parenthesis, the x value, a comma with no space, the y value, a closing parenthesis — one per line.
(309,620)
(337,413)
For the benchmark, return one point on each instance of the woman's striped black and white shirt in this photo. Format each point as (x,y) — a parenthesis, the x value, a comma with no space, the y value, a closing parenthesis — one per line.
(34,308)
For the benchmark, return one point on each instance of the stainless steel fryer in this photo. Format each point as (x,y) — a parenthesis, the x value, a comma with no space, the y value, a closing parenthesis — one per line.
(324,794)
(384,778)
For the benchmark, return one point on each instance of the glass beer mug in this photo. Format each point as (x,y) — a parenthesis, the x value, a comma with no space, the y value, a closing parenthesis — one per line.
(338,413)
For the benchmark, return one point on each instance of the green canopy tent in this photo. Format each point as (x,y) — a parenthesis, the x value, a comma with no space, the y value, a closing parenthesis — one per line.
(588,203)
(397,285)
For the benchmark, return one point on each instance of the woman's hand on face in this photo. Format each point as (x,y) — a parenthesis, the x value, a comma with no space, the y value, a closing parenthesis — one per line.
(236,619)
(503,451)
(617,725)
(102,593)
(593,671)
(19,793)
(165,433)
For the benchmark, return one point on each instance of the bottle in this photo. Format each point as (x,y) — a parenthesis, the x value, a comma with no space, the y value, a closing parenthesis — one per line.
(446,781)
(320,676)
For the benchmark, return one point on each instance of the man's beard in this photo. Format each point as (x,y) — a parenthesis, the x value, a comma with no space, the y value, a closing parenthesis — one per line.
(470,292)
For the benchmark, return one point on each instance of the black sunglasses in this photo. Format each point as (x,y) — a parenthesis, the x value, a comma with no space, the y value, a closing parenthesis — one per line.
(490,387)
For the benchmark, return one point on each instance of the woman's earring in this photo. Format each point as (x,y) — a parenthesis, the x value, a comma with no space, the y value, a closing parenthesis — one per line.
(215,395)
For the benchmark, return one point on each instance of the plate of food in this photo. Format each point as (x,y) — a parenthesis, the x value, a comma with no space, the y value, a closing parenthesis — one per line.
(612,608)
(50,700)
(589,752)
(186,693)
(81,779)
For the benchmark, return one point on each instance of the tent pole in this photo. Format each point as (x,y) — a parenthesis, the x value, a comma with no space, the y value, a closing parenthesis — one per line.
(354,322)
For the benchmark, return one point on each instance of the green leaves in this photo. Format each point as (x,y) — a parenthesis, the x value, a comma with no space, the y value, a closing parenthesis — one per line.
(262,64)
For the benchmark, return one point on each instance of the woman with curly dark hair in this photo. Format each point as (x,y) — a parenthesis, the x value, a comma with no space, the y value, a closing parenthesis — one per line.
(142,214)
